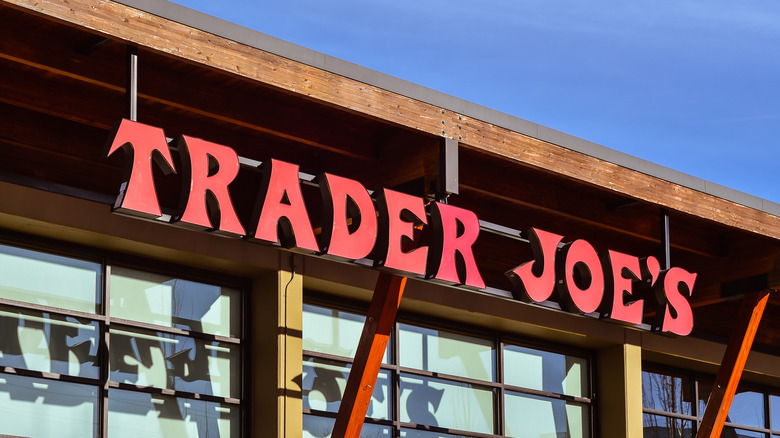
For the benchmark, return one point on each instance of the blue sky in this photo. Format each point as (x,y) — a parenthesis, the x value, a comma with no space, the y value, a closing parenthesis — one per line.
(691,85)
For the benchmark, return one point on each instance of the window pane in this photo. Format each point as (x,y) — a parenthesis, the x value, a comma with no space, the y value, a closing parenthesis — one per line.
(452,405)
(321,427)
(333,331)
(666,392)
(173,302)
(41,341)
(730,432)
(445,352)
(774,403)
(137,414)
(546,371)
(49,280)
(47,408)
(657,426)
(176,362)
(540,417)
(747,408)
(324,382)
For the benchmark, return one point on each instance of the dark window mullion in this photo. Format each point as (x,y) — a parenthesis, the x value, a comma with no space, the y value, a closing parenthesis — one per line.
(500,408)
(395,380)
(104,350)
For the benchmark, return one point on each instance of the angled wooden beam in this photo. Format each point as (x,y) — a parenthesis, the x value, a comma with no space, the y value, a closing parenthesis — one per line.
(733,364)
(368,357)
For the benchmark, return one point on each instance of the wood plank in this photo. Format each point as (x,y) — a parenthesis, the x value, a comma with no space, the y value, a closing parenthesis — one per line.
(166,36)
(732,365)
(368,357)
(265,115)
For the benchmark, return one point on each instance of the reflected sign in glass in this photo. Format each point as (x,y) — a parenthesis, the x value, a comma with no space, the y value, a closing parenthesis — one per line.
(40,341)
(31,407)
(168,361)
(136,414)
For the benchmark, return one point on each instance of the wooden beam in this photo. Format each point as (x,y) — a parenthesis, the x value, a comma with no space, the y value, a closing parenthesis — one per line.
(734,359)
(176,40)
(368,357)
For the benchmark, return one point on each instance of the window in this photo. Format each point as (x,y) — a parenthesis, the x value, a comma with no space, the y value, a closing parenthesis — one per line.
(674,404)
(441,383)
(92,349)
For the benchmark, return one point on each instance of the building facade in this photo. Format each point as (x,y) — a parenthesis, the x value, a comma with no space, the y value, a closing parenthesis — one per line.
(194,216)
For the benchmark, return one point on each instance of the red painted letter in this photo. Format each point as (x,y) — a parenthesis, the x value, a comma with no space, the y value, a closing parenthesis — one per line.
(198,186)
(137,195)
(280,204)
(534,281)
(398,214)
(671,291)
(580,259)
(625,270)
(451,257)
(338,237)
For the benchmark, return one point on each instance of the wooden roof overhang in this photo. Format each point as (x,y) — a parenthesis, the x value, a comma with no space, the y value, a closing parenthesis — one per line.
(62,87)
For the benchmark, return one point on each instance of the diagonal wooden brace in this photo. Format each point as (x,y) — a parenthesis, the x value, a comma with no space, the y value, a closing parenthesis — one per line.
(368,357)
(733,364)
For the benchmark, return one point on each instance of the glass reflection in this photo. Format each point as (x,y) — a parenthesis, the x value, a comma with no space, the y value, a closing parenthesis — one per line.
(539,417)
(68,410)
(49,280)
(173,302)
(545,371)
(666,392)
(170,361)
(747,407)
(323,387)
(446,404)
(41,341)
(333,331)
(658,426)
(321,427)
(446,352)
(730,432)
(136,414)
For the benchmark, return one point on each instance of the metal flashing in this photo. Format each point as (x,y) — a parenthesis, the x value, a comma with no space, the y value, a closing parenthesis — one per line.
(192,18)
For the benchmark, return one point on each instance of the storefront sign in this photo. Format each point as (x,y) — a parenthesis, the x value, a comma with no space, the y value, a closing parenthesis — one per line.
(354,226)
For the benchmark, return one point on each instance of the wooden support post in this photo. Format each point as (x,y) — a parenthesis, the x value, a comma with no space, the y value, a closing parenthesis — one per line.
(733,364)
(368,357)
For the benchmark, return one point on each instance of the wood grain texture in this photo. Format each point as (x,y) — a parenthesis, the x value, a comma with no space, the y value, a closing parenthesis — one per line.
(124,23)
(368,357)
(734,359)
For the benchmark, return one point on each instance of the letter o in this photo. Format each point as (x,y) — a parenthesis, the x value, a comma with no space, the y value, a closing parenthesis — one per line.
(579,257)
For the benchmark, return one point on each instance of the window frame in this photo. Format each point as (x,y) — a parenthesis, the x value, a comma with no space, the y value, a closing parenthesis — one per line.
(108,259)
(695,379)
(498,388)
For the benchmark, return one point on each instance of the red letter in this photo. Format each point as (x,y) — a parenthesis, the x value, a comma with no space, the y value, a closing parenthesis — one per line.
(625,271)
(671,291)
(579,258)
(137,195)
(197,184)
(339,238)
(280,204)
(398,214)
(443,259)
(534,281)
